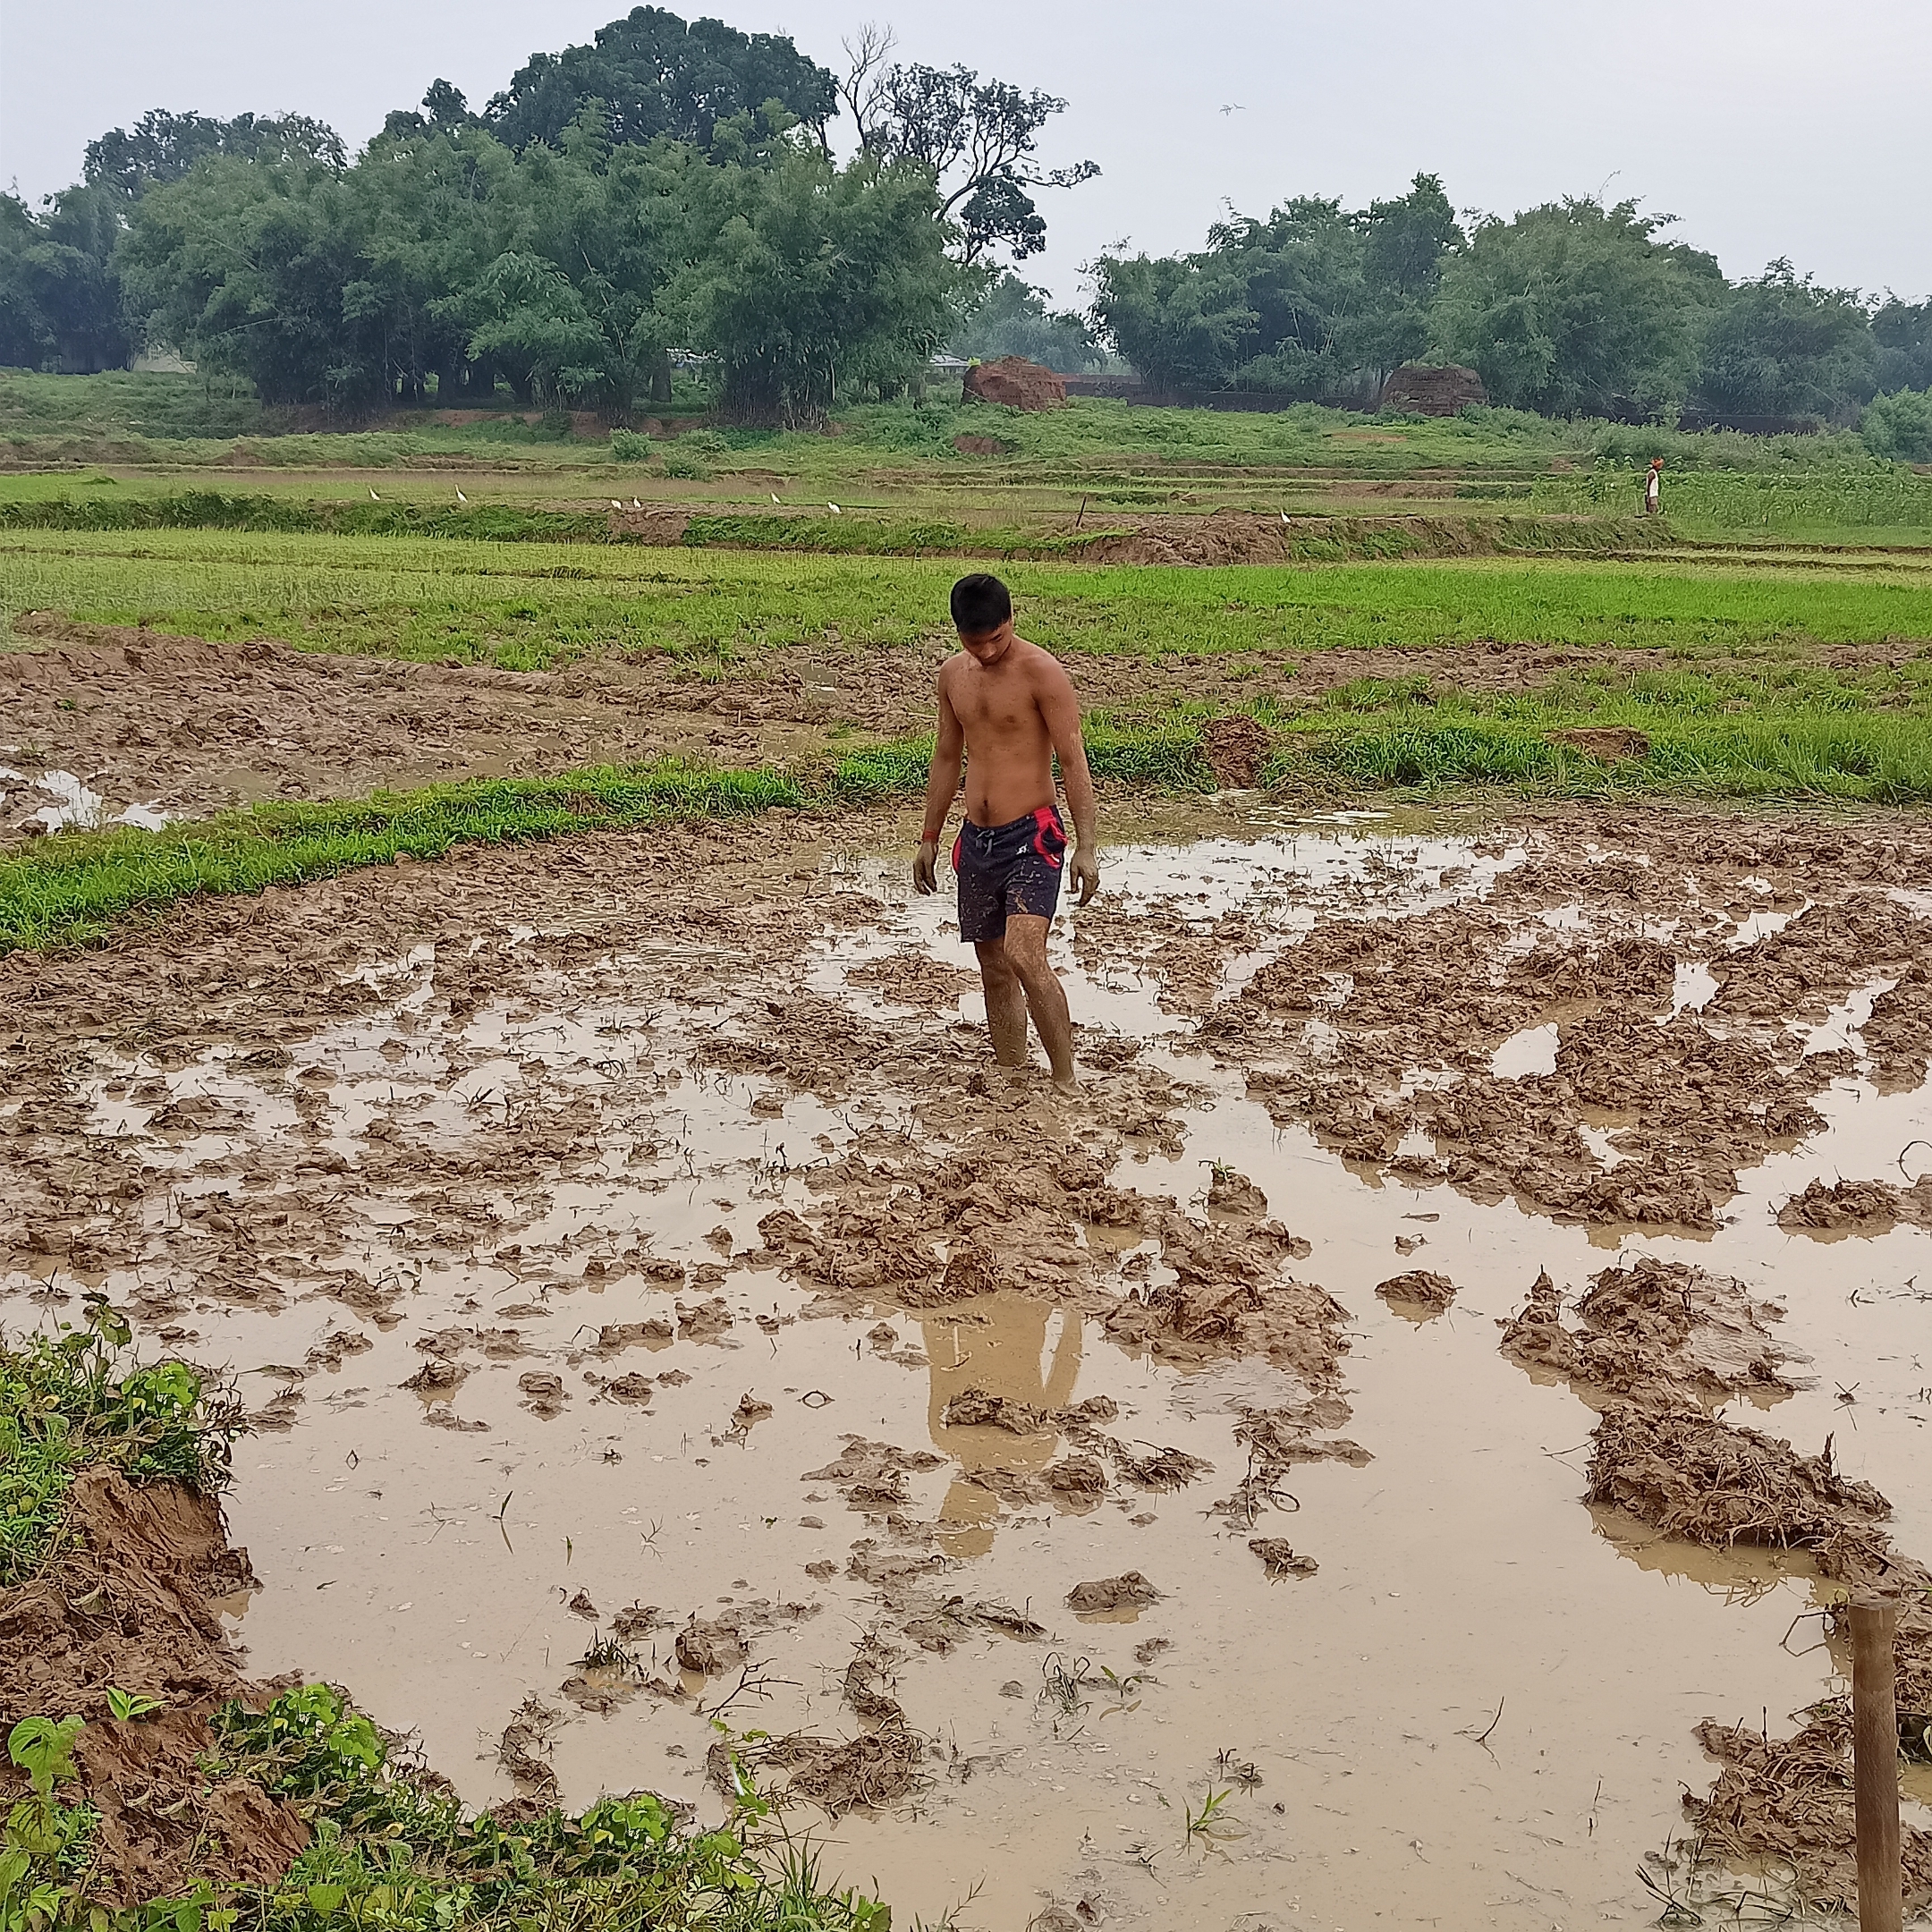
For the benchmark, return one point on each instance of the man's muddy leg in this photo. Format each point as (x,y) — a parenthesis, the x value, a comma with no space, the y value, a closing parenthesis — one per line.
(1045,997)
(1006,1003)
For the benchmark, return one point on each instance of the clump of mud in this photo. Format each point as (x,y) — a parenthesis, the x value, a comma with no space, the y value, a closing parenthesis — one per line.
(1662,1345)
(1706,1482)
(1790,1799)
(1421,1289)
(1861,1206)
(1128,1591)
(1655,1333)
(131,1601)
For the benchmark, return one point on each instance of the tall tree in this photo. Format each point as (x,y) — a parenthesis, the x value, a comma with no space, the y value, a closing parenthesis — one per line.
(657,74)
(1314,301)
(162,147)
(1576,309)
(1903,332)
(817,278)
(1783,347)
(979,140)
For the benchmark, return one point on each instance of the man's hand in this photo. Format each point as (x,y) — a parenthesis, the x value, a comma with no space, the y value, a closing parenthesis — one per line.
(1086,872)
(926,867)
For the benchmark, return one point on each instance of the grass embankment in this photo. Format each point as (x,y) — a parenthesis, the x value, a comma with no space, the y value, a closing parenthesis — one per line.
(531,606)
(73,888)
(1120,454)
(826,532)
(388,1848)
(77,888)
(62,1410)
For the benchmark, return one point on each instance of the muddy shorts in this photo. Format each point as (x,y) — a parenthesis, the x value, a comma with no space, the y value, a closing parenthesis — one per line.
(1004,869)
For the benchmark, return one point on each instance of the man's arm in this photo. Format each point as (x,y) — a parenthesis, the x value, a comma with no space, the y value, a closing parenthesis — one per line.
(1060,707)
(942,787)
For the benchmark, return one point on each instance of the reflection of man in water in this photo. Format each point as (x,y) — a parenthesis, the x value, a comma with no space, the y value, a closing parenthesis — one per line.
(1001,1347)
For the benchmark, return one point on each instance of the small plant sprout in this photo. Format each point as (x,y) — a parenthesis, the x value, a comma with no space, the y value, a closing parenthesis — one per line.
(1206,1825)
(126,1706)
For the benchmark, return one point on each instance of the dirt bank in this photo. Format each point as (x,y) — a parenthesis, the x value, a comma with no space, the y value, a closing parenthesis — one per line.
(132,1601)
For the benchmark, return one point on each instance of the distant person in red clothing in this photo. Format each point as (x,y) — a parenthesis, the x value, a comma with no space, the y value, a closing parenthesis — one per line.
(1653,486)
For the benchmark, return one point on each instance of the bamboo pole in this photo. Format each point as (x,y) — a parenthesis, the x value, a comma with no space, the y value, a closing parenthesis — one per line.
(1875,1767)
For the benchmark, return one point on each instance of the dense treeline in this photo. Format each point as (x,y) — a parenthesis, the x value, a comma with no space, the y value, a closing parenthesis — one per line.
(1571,309)
(667,189)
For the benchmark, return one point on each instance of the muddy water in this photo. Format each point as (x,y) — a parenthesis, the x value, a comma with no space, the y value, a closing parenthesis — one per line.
(1477,1712)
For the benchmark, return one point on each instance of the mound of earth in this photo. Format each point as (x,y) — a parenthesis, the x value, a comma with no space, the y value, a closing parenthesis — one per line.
(1015,383)
(1420,1289)
(1429,389)
(1788,1801)
(130,1601)
(1658,1333)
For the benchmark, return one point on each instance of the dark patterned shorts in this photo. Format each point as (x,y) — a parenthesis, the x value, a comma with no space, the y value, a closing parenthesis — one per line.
(1004,869)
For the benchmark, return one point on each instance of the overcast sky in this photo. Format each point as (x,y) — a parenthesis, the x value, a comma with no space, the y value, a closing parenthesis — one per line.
(1770,127)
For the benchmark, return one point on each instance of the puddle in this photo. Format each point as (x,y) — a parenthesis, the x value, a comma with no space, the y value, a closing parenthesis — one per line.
(73,805)
(1477,1710)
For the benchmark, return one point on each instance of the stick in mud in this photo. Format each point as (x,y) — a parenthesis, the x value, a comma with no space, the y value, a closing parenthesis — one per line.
(1875,1767)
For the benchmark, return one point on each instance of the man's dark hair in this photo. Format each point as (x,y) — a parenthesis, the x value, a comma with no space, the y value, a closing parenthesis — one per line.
(981,603)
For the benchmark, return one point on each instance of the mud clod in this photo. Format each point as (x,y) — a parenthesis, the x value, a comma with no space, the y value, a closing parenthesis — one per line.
(1658,1333)
(1432,1294)
(544,1393)
(1279,1559)
(1789,1800)
(1706,1482)
(1128,1591)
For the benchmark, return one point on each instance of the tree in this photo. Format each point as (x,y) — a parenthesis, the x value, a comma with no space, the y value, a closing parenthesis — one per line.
(572,310)
(443,109)
(657,74)
(60,291)
(1784,347)
(1903,332)
(1899,426)
(1575,309)
(1180,321)
(244,265)
(815,278)
(1315,302)
(1012,319)
(164,147)
(978,139)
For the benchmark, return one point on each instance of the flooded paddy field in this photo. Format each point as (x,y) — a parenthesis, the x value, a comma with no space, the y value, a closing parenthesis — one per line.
(1330,1473)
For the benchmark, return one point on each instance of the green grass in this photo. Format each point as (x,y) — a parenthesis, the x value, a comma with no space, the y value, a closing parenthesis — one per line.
(530,605)
(1878,761)
(180,419)
(75,887)
(1811,736)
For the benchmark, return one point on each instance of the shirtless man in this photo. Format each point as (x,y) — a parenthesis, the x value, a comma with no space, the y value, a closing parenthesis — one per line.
(1010,708)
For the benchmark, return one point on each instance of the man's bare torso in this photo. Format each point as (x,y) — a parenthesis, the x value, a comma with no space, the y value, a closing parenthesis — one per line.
(1009,747)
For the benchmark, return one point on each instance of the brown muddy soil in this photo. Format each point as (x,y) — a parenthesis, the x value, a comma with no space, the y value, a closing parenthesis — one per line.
(1657,1345)
(189,726)
(133,1599)
(630,1239)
